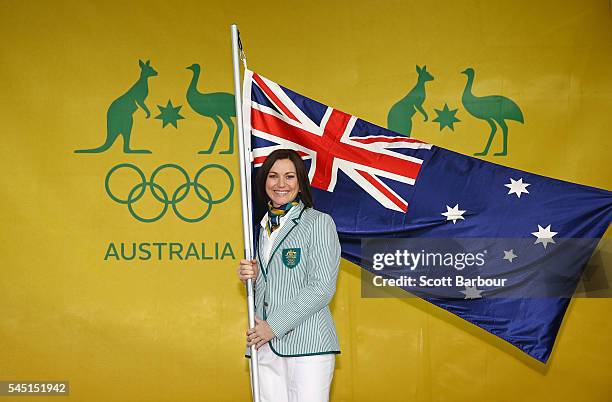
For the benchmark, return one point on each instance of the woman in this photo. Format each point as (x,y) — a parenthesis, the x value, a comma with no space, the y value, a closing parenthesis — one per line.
(295,273)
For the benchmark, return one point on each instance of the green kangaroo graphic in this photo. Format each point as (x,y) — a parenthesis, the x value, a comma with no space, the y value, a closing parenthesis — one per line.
(491,109)
(119,117)
(400,115)
(218,106)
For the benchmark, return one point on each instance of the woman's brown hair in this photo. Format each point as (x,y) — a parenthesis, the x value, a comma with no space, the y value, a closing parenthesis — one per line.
(302,175)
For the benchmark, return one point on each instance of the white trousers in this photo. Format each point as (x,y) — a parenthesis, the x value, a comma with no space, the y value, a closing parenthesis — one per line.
(294,379)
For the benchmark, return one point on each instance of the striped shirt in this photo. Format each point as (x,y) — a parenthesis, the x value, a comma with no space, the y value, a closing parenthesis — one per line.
(296,284)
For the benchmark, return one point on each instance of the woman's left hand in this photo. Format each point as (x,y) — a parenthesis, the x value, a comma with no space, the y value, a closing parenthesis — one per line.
(260,334)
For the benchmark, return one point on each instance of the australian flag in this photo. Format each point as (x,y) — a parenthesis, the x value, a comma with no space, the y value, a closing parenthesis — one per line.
(379,184)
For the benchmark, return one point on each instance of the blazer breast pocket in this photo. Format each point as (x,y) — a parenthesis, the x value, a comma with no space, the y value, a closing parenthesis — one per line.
(291,257)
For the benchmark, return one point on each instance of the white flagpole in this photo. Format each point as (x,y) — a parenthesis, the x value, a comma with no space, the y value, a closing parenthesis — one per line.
(244,150)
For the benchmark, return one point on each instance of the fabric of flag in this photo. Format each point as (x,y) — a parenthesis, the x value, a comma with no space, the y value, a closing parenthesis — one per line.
(376,183)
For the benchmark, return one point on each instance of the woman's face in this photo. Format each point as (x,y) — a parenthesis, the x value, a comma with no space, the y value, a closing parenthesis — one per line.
(282,183)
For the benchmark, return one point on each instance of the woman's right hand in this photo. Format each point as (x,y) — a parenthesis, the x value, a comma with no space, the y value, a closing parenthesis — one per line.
(248,270)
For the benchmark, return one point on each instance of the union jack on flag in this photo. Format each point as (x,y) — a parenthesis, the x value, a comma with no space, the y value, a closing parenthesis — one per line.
(333,141)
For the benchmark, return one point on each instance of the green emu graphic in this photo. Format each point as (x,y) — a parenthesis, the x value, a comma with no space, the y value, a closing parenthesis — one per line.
(218,106)
(492,109)
(400,115)
(119,117)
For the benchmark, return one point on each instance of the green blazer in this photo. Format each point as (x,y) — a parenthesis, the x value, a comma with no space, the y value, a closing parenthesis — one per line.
(293,290)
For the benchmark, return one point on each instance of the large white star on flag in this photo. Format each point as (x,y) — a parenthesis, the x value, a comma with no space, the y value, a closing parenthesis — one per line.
(509,255)
(471,292)
(453,214)
(544,235)
(517,187)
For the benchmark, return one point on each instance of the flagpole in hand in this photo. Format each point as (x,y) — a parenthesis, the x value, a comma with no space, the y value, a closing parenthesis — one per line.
(244,149)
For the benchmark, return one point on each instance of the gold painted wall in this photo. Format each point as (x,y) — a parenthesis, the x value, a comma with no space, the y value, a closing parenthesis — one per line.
(173,330)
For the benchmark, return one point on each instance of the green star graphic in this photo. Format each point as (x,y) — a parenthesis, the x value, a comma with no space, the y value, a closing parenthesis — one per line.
(169,114)
(446,117)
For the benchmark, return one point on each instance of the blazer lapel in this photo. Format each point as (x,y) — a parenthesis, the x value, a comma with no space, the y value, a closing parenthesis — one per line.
(263,267)
(285,231)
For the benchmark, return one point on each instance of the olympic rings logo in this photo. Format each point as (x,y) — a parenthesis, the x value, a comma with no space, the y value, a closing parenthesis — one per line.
(161,195)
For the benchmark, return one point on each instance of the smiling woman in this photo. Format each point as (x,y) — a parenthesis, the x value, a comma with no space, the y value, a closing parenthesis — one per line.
(282,184)
(298,254)
(282,178)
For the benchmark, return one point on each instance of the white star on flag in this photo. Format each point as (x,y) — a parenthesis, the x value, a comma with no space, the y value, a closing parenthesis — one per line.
(471,292)
(453,214)
(517,187)
(544,235)
(509,255)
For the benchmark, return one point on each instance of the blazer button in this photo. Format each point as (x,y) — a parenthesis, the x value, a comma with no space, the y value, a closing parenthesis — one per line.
(265,304)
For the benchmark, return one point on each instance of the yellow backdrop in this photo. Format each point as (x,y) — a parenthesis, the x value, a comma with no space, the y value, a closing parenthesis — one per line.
(172,330)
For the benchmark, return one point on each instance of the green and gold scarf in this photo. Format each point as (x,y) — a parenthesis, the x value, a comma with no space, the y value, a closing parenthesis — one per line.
(276,213)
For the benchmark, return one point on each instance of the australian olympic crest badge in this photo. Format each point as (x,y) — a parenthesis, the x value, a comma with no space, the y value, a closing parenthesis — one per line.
(291,257)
